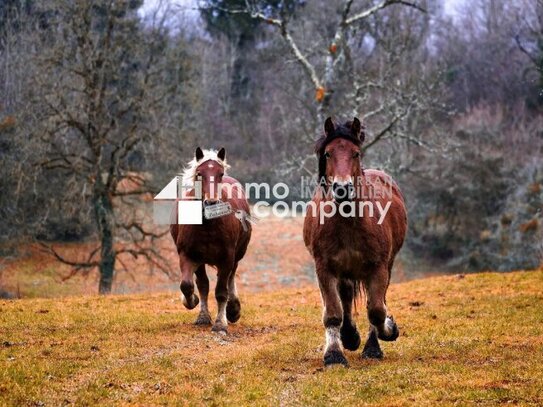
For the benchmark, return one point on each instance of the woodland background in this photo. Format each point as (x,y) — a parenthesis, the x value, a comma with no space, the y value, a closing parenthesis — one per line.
(101,103)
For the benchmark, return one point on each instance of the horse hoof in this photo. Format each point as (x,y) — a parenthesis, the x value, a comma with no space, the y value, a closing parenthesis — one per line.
(350,338)
(192,303)
(372,353)
(335,357)
(233,310)
(203,319)
(219,329)
(391,325)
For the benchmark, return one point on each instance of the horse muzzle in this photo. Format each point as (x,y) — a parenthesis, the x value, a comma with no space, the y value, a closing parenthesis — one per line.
(209,202)
(343,192)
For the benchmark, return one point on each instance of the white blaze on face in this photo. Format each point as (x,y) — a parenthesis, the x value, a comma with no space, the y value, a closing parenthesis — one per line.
(214,187)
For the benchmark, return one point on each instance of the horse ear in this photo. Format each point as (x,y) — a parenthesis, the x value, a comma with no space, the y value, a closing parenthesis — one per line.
(329,127)
(357,130)
(221,154)
(199,154)
(355,127)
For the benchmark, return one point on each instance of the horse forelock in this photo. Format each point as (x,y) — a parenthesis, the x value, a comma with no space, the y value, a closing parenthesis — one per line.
(189,173)
(342,131)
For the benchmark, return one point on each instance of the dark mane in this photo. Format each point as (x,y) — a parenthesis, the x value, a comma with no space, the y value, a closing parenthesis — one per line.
(340,131)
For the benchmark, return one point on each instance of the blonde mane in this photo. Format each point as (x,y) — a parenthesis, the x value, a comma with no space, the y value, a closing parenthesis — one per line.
(189,173)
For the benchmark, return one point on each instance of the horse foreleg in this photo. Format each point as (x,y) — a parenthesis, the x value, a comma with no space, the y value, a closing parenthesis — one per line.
(202,282)
(190,300)
(221,295)
(349,333)
(372,350)
(233,306)
(332,318)
(376,289)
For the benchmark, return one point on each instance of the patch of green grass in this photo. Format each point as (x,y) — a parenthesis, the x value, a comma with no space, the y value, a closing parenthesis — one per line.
(467,340)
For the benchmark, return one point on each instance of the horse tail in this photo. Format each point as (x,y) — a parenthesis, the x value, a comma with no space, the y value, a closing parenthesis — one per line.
(359,293)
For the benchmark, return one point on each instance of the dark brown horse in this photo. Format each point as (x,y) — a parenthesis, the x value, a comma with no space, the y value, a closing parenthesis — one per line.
(220,242)
(355,249)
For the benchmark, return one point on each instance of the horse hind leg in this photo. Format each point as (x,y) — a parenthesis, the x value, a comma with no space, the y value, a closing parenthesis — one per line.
(233,306)
(202,282)
(350,337)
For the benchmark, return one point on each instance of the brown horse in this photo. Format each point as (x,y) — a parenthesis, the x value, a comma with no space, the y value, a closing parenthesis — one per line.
(220,242)
(349,250)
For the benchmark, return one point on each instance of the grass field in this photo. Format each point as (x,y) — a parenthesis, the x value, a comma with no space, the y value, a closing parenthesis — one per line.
(473,339)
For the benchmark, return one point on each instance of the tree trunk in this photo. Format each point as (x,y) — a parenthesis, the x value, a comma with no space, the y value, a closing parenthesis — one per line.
(240,88)
(107,263)
(104,217)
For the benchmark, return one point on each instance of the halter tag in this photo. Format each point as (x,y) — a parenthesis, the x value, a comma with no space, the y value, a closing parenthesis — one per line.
(217,210)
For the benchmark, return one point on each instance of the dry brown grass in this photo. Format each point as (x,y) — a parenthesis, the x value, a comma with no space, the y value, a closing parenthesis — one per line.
(475,339)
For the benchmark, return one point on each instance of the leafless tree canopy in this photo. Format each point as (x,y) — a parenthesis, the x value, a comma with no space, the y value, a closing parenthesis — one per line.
(102,103)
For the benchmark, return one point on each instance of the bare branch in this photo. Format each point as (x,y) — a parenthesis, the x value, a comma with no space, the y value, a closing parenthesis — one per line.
(383,4)
(525,51)
(309,68)
(282,25)
(78,265)
(386,129)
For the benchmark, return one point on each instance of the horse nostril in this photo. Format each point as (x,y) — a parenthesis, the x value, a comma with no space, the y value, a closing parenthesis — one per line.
(340,191)
(343,191)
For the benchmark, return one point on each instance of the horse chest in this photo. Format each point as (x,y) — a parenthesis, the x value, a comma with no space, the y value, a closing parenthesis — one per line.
(208,245)
(350,249)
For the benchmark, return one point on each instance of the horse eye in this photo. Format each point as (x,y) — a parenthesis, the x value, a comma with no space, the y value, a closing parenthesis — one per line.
(356,155)
(327,155)
(221,174)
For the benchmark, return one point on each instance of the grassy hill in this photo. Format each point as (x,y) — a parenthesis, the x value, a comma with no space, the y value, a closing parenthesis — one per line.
(472,339)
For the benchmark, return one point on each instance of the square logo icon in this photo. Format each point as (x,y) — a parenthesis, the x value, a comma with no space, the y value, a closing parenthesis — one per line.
(189,212)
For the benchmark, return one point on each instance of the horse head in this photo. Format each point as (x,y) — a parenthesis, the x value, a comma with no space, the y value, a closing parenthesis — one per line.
(208,167)
(338,151)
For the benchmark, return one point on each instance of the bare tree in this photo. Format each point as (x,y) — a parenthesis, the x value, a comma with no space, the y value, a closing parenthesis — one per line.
(102,83)
(367,63)
(324,73)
